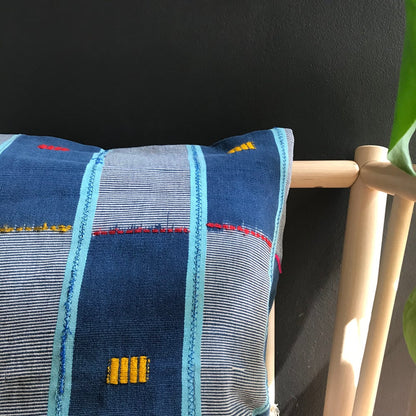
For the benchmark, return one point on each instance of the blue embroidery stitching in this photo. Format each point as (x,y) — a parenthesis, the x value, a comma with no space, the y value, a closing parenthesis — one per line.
(196,279)
(74,272)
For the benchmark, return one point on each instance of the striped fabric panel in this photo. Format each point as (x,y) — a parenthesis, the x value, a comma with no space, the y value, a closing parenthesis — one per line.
(132,194)
(233,377)
(31,274)
(164,157)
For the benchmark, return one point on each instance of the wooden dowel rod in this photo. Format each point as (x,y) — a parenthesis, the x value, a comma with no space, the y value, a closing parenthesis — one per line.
(270,358)
(385,177)
(359,271)
(390,267)
(324,173)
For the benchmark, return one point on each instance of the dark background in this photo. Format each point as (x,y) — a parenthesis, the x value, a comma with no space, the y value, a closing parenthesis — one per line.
(127,73)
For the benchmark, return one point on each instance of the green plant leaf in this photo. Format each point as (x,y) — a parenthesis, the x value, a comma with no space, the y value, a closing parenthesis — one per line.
(409,324)
(404,124)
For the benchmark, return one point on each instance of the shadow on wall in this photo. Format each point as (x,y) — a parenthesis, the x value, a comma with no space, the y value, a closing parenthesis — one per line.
(307,295)
(309,402)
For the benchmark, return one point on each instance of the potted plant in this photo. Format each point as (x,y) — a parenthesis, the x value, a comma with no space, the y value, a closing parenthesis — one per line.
(404,126)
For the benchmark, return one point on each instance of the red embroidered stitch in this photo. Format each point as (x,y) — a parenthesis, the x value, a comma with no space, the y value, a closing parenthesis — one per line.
(141,230)
(185,230)
(241,229)
(58,148)
(278,263)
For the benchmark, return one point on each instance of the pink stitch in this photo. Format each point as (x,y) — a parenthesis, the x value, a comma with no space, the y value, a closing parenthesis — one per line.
(241,229)
(278,263)
(48,147)
(218,226)
(141,230)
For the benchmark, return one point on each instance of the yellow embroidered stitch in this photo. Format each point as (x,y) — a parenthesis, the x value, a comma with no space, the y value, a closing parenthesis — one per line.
(133,369)
(124,370)
(139,370)
(144,369)
(251,145)
(44,227)
(108,374)
(114,364)
(244,146)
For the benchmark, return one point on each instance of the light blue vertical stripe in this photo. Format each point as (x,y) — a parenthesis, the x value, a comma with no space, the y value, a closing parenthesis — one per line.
(282,148)
(61,370)
(280,139)
(194,296)
(8,142)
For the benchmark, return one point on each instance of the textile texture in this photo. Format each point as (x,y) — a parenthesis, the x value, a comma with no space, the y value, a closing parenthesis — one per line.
(139,281)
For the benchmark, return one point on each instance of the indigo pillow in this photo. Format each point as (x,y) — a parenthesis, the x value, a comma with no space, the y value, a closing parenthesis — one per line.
(139,280)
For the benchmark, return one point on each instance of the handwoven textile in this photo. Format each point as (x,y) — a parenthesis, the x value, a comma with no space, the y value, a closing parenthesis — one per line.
(139,281)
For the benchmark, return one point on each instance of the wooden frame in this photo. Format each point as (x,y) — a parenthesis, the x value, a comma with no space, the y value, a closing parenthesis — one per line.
(367,286)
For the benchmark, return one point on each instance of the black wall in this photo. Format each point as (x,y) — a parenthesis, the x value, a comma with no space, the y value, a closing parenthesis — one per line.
(126,73)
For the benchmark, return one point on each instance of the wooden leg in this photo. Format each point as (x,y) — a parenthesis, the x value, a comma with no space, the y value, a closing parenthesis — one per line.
(270,356)
(390,267)
(359,271)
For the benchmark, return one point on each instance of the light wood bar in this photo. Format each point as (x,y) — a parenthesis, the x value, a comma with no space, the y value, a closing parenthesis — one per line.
(270,359)
(386,177)
(388,281)
(324,173)
(359,271)
(370,177)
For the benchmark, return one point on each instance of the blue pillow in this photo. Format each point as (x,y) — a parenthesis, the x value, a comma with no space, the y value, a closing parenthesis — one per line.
(139,280)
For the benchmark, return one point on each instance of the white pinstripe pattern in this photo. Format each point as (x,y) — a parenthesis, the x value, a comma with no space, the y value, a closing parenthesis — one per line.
(233,375)
(31,274)
(132,194)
